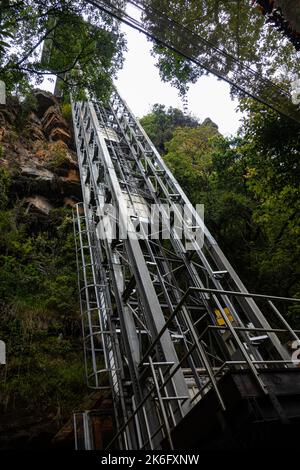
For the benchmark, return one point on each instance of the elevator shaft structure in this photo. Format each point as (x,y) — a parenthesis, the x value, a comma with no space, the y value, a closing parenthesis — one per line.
(165,317)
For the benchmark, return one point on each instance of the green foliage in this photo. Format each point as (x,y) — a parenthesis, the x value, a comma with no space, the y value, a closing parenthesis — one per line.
(4,184)
(81,44)
(45,368)
(66,111)
(232,26)
(161,122)
(189,157)
(39,318)
(56,155)
(272,152)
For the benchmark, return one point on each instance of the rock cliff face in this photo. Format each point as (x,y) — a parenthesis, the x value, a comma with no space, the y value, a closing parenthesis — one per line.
(43,380)
(41,158)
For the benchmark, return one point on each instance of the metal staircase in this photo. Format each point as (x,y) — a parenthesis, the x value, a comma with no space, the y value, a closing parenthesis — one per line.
(166,319)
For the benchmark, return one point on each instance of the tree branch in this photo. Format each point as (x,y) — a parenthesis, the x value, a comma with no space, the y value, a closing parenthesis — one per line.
(43,72)
(36,45)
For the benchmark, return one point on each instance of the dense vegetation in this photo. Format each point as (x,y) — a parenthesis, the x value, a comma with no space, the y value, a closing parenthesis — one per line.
(39,312)
(161,122)
(80,45)
(250,187)
(86,43)
(233,26)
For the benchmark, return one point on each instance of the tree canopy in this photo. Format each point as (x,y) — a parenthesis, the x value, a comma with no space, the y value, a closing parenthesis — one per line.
(86,42)
(232,26)
(78,38)
(161,122)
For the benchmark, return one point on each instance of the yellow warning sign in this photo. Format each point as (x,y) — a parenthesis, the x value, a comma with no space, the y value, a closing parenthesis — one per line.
(220,319)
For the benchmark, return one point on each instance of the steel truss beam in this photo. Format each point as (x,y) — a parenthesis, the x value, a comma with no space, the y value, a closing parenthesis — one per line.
(173,321)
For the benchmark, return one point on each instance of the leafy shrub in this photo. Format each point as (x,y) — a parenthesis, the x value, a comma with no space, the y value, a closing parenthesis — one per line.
(39,318)
(57,155)
(4,185)
(66,111)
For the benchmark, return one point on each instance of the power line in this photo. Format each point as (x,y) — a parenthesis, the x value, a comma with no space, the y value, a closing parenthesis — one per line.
(183,41)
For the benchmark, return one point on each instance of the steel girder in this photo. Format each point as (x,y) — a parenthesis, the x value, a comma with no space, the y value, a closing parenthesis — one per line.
(173,326)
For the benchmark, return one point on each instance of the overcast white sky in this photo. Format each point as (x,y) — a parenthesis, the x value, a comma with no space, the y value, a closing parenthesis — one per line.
(140,85)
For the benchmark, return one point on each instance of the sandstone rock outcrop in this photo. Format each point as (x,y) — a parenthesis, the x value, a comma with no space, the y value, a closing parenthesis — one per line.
(44,168)
(34,127)
(55,126)
(39,204)
(44,101)
(38,306)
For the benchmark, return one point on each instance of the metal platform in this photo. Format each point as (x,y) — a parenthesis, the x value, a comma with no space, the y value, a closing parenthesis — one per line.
(251,418)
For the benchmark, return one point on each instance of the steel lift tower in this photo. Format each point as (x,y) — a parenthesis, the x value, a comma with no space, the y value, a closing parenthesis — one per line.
(190,358)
